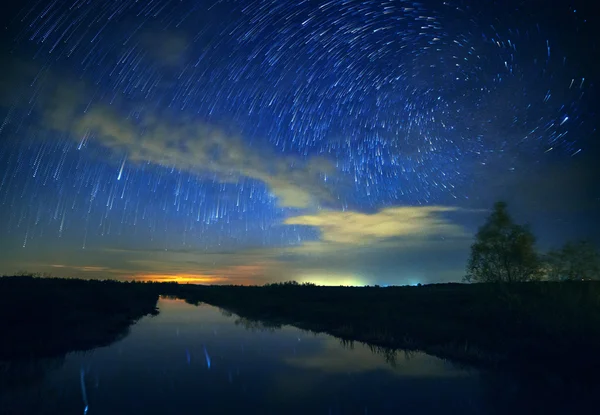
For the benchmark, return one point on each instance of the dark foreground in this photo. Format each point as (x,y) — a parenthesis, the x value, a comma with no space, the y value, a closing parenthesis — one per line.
(520,326)
(528,349)
(203,360)
(43,317)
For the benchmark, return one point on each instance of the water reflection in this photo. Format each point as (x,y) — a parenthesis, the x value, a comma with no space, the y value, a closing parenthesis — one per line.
(199,359)
(498,391)
(331,358)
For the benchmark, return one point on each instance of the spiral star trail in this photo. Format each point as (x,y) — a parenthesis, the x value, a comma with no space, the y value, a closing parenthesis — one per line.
(251,141)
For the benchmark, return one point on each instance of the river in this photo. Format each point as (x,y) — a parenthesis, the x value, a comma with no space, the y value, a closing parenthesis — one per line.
(202,360)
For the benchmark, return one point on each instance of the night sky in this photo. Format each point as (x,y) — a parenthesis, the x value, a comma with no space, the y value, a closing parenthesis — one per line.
(333,141)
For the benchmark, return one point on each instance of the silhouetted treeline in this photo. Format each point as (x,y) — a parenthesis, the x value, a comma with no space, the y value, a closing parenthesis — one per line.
(43,317)
(504,251)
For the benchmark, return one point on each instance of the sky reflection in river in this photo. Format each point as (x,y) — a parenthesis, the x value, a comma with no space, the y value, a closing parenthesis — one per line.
(192,359)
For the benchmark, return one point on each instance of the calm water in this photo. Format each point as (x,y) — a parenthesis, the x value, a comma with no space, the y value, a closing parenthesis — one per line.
(198,360)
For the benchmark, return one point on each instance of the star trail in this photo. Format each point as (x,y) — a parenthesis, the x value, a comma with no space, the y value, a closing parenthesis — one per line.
(231,133)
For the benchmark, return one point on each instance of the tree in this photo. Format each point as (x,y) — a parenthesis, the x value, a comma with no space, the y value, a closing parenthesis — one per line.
(574,261)
(503,251)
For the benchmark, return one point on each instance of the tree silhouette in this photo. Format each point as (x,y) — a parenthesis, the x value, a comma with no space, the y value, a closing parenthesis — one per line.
(574,261)
(503,251)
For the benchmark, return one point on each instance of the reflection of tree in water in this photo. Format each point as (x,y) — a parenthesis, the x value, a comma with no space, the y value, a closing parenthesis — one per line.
(257,325)
(389,355)
(225,313)
(502,391)
(251,324)
(347,344)
(529,392)
(189,300)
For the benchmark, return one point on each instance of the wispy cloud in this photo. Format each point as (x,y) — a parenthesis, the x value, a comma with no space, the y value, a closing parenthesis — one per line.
(361,228)
(179,140)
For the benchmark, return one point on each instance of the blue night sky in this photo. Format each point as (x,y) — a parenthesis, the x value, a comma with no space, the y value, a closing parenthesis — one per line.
(334,141)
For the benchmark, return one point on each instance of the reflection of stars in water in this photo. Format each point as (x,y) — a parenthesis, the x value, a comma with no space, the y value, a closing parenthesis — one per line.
(409,101)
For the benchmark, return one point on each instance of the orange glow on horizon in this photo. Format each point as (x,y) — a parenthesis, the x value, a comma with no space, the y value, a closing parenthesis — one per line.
(201,279)
(181,278)
(248,274)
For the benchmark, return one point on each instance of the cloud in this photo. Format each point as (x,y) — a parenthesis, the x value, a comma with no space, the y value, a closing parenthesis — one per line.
(182,142)
(392,246)
(358,228)
(421,246)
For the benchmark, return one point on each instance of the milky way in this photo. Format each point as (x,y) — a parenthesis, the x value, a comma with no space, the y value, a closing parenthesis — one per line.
(411,103)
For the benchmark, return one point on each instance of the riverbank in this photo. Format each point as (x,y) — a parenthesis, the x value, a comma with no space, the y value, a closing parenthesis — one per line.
(527,324)
(49,317)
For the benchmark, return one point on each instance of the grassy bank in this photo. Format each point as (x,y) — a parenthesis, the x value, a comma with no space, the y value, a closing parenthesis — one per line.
(532,324)
(46,317)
